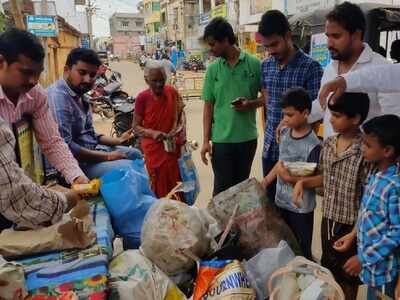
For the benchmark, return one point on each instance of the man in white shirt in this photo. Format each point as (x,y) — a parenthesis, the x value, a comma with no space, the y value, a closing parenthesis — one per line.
(345,27)
(383,79)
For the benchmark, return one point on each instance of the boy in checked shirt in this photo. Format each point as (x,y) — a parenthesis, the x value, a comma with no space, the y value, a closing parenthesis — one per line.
(378,226)
(342,174)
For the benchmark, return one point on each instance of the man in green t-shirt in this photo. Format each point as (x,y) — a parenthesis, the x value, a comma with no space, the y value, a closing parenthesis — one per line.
(230,92)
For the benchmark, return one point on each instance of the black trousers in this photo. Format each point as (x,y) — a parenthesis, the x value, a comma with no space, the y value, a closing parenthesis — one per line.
(302,226)
(231,163)
(333,260)
(268,165)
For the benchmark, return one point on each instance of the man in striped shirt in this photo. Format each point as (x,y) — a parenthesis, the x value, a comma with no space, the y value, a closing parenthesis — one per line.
(21,63)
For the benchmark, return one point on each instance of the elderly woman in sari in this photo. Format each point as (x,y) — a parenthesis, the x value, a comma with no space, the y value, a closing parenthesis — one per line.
(160,120)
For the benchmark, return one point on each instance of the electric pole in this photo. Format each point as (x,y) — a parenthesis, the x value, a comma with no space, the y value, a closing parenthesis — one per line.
(16,12)
(44,12)
(90,11)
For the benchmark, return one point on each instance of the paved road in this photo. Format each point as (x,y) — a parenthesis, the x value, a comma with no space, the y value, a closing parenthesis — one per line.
(133,81)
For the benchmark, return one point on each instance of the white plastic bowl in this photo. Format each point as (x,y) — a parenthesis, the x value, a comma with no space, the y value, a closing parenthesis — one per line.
(299,168)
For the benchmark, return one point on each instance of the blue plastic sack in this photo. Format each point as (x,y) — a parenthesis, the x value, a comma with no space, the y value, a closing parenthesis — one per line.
(128,197)
(189,177)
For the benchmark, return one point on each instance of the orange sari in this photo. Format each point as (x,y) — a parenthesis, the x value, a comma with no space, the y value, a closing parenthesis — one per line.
(163,115)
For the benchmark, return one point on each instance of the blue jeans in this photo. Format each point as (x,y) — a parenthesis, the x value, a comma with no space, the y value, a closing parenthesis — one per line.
(97,170)
(387,289)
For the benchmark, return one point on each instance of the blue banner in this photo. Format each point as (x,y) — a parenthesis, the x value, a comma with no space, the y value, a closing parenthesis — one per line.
(42,25)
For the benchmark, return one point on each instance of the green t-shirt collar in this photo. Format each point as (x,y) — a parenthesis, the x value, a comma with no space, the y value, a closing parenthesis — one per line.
(242,56)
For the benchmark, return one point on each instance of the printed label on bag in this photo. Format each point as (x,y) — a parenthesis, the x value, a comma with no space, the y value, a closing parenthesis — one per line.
(232,283)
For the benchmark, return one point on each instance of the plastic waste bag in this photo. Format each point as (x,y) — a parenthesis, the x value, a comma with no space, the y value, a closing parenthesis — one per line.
(133,276)
(128,197)
(12,280)
(259,222)
(189,177)
(175,235)
(222,279)
(304,280)
(260,267)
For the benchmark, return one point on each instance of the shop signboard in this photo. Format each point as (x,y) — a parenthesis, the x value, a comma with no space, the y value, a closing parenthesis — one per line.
(259,6)
(85,43)
(293,7)
(219,11)
(45,26)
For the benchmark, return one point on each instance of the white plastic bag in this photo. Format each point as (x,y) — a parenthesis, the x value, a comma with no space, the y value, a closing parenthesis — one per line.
(260,267)
(12,280)
(175,235)
(133,276)
(302,279)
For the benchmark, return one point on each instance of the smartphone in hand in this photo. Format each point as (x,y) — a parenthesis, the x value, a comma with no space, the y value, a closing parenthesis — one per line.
(237,102)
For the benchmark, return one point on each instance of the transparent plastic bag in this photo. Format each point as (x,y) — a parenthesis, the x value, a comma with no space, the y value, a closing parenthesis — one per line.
(190,178)
(260,267)
(175,235)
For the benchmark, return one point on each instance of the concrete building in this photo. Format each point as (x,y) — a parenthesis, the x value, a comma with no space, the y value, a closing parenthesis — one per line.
(126,30)
(179,24)
(151,10)
(209,9)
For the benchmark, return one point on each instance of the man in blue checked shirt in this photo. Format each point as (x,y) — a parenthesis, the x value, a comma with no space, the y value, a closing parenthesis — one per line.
(378,227)
(287,67)
(97,154)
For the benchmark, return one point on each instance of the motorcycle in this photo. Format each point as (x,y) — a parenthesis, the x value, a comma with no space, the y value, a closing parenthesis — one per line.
(105,92)
(110,101)
(193,64)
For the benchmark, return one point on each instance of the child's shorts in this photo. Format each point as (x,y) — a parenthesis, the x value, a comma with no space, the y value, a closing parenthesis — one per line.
(333,260)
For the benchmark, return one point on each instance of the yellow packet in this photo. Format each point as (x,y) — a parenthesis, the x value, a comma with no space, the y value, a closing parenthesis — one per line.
(92,188)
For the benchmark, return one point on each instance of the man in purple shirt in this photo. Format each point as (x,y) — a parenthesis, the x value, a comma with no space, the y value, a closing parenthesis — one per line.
(96,154)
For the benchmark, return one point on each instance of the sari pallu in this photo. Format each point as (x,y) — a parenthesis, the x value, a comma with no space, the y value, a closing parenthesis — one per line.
(165,114)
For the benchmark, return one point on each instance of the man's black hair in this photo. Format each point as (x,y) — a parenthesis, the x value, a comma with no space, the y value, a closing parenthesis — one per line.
(85,55)
(386,129)
(273,22)
(219,29)
(298,98)
(349,16)
(351,105)
(15,42)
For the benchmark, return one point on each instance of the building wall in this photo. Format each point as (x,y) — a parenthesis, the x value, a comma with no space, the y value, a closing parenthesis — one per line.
(57,53)
(126,29)
(180,22)
(67,10)
(126,23)
(152,18)
(252,10)
(125,46)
